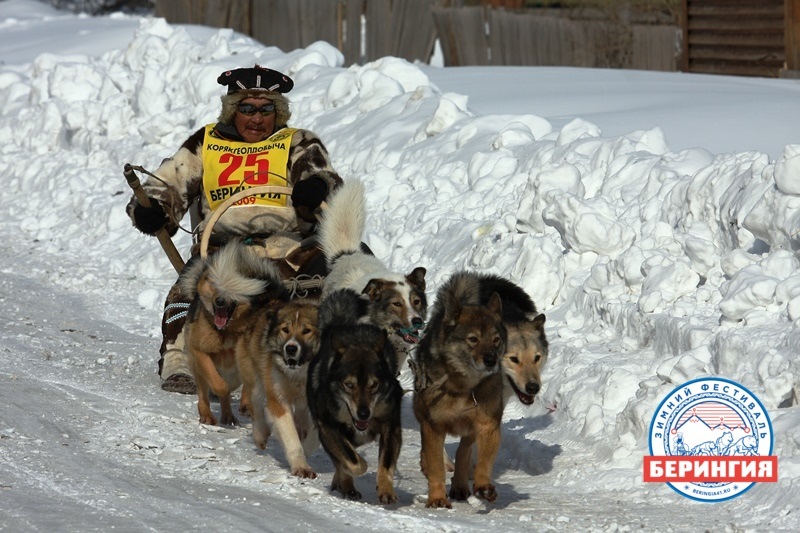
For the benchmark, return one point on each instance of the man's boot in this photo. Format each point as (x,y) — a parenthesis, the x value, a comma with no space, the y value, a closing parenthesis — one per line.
(173,367)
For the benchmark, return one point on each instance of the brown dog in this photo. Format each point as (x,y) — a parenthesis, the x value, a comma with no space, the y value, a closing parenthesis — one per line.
(273,363)
(228,289)
(459,388)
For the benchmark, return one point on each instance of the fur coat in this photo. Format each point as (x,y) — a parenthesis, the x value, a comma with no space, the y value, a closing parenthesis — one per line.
(182,184)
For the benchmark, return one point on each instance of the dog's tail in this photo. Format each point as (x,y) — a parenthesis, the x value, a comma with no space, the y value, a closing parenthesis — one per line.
(343,222)
(237,273)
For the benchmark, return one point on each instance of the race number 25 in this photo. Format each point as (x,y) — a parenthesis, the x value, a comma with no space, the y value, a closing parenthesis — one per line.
(254,166)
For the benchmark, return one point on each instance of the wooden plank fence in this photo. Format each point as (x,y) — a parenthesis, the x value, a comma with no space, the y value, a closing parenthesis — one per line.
(655,47)
(737,37)
(462,35)
(792,38)
(402,28)
(295,24)
(547,37)
(791,28)
(745,37)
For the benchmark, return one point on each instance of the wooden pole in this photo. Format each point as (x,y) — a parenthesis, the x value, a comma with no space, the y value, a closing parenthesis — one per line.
(791,31)
(683,62)
(162,235)
(340,27)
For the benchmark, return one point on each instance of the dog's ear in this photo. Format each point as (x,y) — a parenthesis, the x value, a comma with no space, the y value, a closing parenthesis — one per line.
(452,310)
(271,312)
(495,304)
(538,327)
(373,289)
(417,278)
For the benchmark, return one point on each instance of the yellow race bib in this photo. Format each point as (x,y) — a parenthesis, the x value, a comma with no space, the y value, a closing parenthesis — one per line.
(231,166)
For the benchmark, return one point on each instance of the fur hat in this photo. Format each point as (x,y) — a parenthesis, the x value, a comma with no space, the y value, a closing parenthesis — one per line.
(255,82)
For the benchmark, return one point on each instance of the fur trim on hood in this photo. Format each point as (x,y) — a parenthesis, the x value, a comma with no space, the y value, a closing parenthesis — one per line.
(229,102)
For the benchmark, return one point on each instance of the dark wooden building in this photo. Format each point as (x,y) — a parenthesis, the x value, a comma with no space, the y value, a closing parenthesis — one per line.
(741,37)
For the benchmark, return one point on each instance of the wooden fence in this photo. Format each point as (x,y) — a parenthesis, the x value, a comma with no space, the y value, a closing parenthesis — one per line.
(739,37)
(746,37)
(548,37)
(791,27)
(401,28)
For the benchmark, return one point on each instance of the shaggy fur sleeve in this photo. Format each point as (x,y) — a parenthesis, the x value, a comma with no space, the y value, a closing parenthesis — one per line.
(179,183)
(309,157)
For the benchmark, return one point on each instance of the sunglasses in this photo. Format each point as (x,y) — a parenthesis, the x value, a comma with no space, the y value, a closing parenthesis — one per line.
(250,109)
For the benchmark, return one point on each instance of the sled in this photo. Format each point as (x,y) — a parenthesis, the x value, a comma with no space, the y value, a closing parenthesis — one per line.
(299,285)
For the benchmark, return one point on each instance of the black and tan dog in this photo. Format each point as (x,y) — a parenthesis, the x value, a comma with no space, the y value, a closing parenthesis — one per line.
(229,290)
(459,387)
(273,364)
(354,395)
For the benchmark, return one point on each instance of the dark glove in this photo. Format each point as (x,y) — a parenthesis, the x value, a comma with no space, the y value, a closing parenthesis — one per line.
(309,192)
(149,220)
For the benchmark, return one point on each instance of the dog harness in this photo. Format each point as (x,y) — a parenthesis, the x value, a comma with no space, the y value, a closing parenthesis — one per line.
(230,166)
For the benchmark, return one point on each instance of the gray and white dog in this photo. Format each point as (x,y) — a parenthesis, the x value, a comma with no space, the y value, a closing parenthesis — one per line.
(397,302)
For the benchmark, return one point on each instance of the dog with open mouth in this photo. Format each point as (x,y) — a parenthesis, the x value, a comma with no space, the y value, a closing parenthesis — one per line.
(354,395)
(397,302)
(526,345)
(228,290)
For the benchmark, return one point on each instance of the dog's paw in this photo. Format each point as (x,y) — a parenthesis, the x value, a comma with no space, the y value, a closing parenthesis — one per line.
(228,420)
(208,420)
(304,472)
(245,410)
(346,489)
(459,493)
(487,492)
(352,495)
(261,436)
(439,503)
(387,497)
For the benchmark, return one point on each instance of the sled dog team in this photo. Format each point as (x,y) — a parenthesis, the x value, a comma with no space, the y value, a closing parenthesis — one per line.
(325,372)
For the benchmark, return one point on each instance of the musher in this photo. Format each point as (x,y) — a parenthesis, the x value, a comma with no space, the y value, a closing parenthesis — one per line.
(250,145)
